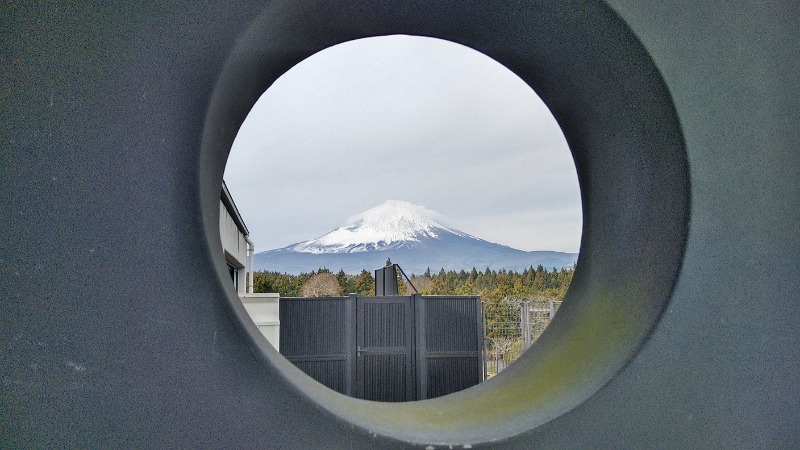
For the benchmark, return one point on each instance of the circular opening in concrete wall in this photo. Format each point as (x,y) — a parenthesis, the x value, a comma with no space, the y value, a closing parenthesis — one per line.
(409,123)
(626,142)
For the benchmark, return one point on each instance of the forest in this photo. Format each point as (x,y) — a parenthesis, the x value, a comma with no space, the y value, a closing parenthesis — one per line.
(491,285)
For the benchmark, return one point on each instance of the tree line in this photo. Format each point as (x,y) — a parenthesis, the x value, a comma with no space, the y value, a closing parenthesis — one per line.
(491,285)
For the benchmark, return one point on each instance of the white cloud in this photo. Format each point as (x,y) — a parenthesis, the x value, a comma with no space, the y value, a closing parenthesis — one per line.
(422,120)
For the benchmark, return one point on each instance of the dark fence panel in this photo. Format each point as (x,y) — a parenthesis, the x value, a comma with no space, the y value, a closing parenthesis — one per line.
(316,336)
(449,344)
(385,378)
(451,374)
(387,349)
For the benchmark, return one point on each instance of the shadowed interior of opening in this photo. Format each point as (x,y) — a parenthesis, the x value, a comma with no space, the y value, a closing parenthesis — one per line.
(631,162)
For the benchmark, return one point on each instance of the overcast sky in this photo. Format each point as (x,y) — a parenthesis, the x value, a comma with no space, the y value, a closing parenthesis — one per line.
(406,118)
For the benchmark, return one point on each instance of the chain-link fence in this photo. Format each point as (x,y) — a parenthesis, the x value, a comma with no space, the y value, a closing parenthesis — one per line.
(510,327)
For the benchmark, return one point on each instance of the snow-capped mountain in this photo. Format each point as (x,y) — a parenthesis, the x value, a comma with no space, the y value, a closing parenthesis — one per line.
(391,225)
(412,236)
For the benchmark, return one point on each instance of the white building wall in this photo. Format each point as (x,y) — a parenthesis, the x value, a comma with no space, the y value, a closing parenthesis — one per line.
(263,309)
(233,244)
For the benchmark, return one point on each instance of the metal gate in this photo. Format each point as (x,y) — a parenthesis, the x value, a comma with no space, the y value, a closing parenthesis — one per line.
(384,349)
(392,349)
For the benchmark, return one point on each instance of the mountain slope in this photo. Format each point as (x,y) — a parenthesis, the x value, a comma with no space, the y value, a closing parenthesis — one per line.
(412,236)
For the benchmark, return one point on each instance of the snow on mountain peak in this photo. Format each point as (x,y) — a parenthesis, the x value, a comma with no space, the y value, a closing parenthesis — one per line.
(392,223)
(397,215)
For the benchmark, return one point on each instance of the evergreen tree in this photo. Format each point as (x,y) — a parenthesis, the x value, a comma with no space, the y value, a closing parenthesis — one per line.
(365,284)
(341,278)
(492,286)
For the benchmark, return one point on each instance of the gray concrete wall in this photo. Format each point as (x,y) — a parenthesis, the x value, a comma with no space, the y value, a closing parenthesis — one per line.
(109,116)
